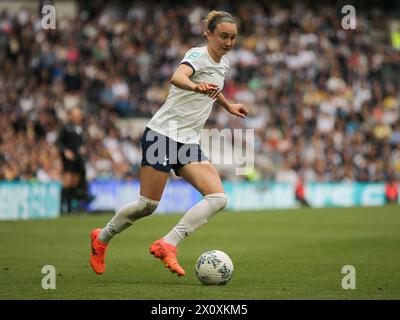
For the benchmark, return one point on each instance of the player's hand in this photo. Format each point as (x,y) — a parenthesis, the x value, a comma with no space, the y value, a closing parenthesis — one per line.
(206,88)
(69,154)
(238,109)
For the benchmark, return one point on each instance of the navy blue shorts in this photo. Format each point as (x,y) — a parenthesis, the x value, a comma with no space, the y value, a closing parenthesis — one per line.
(164,154)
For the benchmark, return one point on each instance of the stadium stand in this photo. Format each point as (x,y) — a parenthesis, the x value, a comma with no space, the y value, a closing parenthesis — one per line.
(324,101)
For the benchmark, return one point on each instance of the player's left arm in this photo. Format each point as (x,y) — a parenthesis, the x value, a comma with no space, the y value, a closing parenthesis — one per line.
(237,109)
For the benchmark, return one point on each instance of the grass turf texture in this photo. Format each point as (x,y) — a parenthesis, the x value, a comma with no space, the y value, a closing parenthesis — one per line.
(287,254)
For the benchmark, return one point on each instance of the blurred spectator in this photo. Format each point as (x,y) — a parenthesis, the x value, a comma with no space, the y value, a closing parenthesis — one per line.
(300,193)
(391,191)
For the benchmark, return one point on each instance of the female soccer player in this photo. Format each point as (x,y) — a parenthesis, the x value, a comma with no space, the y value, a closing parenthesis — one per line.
(171,141)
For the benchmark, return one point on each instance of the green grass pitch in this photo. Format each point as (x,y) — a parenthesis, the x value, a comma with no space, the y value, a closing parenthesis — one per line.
(286,254)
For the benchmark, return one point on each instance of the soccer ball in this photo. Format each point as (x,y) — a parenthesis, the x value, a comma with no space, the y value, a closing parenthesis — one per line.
(214,268)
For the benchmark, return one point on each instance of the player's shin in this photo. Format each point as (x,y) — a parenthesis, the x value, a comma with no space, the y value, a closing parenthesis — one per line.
(126,216)
(195,217)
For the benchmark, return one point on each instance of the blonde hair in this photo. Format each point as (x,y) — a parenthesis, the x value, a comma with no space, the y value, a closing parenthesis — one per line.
(214,18)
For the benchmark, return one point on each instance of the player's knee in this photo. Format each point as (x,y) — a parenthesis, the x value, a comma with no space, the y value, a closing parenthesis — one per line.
(224,201)
(140,208)
(148,206)
(217,200)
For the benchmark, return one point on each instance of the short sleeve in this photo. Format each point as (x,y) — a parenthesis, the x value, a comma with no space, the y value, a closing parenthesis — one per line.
(194,59)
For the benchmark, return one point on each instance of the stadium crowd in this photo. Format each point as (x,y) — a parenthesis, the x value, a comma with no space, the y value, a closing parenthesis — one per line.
(324,102)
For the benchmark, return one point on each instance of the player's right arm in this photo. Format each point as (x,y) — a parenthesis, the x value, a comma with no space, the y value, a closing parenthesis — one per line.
(181,79)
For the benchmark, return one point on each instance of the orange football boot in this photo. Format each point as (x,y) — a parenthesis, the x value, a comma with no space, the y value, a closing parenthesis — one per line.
(167,253)
(97,253)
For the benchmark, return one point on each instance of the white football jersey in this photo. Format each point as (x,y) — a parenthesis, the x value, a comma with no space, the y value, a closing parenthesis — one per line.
(185,112)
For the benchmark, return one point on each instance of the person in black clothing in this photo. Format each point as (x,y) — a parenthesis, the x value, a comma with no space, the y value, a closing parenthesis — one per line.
(70,144)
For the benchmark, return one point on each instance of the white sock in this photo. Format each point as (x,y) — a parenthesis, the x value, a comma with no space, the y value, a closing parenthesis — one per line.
(196,216)
(127,215)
